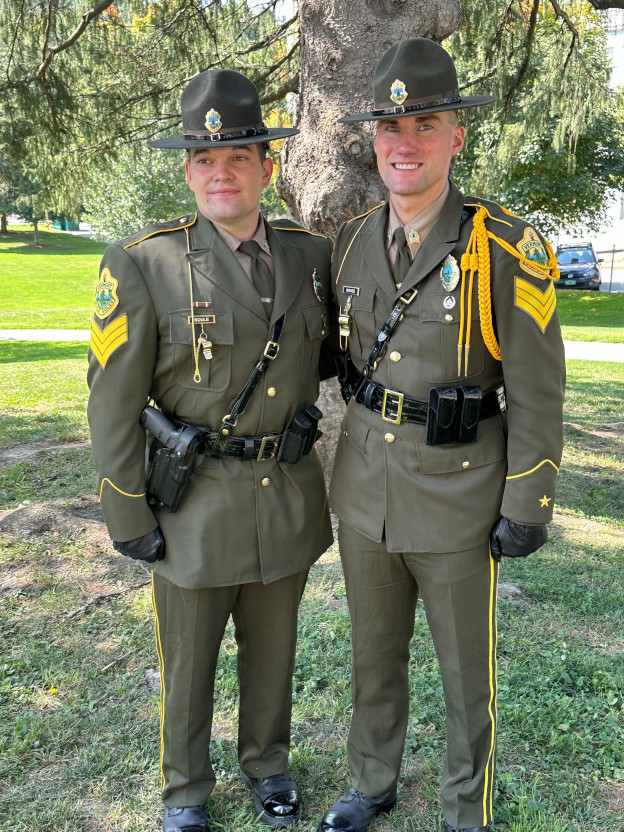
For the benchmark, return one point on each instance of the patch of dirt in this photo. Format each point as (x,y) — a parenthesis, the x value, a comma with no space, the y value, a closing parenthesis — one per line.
(515,596)
(613,797)
(79,517)
(30,452)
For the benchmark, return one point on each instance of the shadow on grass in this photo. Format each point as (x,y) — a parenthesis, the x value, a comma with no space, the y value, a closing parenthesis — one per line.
(14,352)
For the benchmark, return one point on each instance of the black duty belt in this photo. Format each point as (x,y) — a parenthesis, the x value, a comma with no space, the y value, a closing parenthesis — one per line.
(396,407)
(258,448)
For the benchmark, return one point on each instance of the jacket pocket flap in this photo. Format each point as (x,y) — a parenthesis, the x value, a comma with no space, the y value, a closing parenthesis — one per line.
(219,328)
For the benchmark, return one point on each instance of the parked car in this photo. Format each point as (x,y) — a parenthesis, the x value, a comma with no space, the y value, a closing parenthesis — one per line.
(579,267)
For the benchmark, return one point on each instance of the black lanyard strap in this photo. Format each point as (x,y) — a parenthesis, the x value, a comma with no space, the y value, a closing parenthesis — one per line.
(240,402)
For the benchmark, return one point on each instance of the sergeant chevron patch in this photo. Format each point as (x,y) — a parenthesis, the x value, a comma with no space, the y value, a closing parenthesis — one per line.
(539,305)
(105,341)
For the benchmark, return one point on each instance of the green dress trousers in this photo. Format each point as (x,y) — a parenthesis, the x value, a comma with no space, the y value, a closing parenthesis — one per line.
(458,590)
(189,628)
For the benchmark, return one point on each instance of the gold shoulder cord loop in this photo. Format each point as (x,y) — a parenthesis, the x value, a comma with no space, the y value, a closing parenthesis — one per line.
(196,343)
(477,258)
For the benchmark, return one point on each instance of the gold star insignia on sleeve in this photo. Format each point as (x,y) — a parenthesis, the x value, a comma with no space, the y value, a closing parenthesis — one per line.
(544,501)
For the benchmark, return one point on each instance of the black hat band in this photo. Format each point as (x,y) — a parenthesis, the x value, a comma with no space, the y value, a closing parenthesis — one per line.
(425,105)
(205,136)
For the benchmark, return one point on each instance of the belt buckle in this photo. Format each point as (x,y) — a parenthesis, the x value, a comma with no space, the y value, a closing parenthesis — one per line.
(271,350)
(265,439)
(400,397)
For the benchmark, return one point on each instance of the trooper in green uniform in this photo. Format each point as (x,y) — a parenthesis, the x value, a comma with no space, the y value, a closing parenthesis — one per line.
(452,437)
(185,310)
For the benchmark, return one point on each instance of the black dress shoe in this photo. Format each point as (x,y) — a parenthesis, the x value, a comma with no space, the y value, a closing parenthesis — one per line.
(448,828)
(276,798)
(354,811)
(185,819)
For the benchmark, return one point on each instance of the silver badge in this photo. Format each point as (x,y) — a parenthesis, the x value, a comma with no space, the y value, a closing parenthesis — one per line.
(449,273)
(449,302)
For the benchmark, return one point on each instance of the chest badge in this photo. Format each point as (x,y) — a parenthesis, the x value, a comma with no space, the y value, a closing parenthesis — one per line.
(319,291)
(449,302)
(449,273)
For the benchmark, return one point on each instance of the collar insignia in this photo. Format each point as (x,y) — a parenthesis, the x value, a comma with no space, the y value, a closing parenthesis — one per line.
(449,273)
(213,121)
(398,93)
(389,235)
(413,237)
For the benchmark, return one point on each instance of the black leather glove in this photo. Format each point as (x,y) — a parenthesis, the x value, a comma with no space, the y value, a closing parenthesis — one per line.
(149,547)
(515,540)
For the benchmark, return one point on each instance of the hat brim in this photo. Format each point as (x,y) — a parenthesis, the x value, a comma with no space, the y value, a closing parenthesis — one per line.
(469,101)
(181,142)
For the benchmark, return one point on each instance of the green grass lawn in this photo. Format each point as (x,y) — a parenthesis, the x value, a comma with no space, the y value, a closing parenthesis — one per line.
(51,287)
(591,316)
(79,738)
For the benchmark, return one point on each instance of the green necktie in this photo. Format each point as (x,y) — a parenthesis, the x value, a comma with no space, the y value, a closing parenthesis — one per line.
(261,275)
(403,259)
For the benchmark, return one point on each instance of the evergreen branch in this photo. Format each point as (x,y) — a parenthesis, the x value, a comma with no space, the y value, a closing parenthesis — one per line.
(87,17)
(292,85)
(602,5)
(561,13)
(527,58)
(485,77)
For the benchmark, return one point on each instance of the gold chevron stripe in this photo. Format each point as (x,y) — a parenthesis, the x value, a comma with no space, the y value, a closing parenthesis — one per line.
(105,341)
(539,305)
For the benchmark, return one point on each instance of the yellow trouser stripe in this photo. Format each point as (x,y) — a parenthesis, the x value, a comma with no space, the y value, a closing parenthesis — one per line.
(161,663)
(488,789)
(539,305)
(104,342)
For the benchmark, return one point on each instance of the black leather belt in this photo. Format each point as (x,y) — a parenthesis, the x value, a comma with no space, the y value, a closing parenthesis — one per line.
(396,407)
(258,448)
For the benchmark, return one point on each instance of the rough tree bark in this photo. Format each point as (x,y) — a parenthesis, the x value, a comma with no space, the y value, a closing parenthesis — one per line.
(328,171)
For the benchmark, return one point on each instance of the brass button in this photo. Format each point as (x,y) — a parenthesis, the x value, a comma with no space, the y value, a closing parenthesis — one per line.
(448,318)
(271,392)
(266,481)
(346,433)
(395,356)
(465,464)
(390,437)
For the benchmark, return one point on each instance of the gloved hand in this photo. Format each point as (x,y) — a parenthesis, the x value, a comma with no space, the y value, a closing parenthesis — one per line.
(515,540)
(149,547)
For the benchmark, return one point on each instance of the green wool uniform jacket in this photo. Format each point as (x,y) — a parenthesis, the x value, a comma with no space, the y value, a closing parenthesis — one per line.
(446,498)
(239,521)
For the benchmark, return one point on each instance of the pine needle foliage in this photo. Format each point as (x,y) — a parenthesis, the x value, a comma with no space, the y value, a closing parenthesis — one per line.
(556,123)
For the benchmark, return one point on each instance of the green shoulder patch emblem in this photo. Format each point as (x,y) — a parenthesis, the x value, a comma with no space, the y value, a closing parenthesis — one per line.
(532,250)
(106,298)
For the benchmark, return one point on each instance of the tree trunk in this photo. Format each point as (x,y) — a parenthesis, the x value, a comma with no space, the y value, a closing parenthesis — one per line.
(36,232)
(3,224)
(328,172)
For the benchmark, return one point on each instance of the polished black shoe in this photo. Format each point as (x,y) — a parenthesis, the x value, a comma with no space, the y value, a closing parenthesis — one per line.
(276,798)
(354,811)
(448,828)
(185,819)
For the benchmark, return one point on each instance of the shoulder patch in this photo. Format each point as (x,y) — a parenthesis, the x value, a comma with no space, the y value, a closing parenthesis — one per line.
(366,213)
(538,305)
(106,298)
(105,341)
(532,250)
(160,228)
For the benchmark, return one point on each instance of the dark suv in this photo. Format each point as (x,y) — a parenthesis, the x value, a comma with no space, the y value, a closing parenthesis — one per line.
(578,266)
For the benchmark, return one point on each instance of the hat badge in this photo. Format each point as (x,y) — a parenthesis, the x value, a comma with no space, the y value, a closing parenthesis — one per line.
(213,121)
(398,93)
